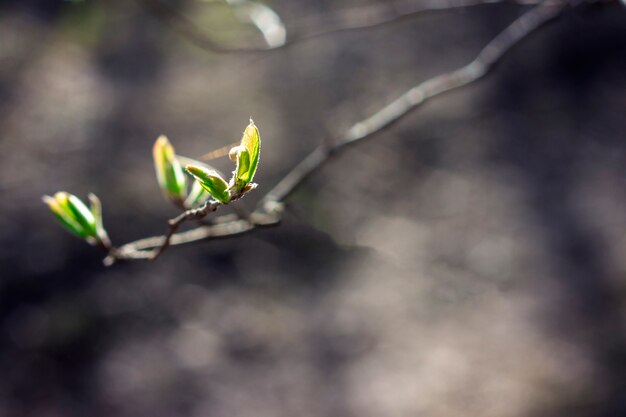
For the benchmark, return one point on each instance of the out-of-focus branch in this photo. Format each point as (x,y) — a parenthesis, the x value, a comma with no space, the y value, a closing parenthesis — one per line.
(269,209)
(349,19)
(382,14)
(417,95)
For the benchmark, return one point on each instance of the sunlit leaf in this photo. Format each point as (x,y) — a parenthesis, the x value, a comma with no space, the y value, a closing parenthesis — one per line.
(211,181)
(168,169)
(72,213)
(247,157)
(251,140)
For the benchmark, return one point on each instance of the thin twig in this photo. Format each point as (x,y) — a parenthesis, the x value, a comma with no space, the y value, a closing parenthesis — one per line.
(192,214)
(153,247)
(417,95)
(270,208)
(350,19)
(382,14)
(158,244)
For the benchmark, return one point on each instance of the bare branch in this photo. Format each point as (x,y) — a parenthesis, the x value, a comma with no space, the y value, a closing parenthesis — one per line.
(382,14)
(151,248)
(270,208)
(224,226)
(174,224)
(417,95)
(357,18)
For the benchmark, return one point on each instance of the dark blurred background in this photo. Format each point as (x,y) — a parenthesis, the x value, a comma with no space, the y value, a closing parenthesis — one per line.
(468,261)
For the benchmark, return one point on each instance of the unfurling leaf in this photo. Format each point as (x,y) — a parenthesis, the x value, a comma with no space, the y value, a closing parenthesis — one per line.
(73,214)
(211,181)
(252,142)
(169,172)
(243,166)
(247,157)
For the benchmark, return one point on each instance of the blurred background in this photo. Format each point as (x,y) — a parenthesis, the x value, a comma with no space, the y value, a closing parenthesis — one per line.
(469,261)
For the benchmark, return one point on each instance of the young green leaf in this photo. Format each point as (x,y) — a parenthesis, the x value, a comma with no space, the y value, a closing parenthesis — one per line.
(82,214)
(64,217)
(197,195)
(169,172)
(72,214)
(251,140)
(211,181)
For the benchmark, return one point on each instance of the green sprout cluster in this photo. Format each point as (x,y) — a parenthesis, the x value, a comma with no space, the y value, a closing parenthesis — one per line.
(172,177)
(246,157)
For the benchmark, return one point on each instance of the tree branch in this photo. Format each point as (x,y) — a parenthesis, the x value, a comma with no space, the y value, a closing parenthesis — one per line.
(357,18)
(270,207)
(417,95)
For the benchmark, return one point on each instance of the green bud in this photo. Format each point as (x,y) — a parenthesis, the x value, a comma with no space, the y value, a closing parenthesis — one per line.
(169,172)
(73,214)
(252,142)
(197,195)
(247,157)
(211,181)
(243,167)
